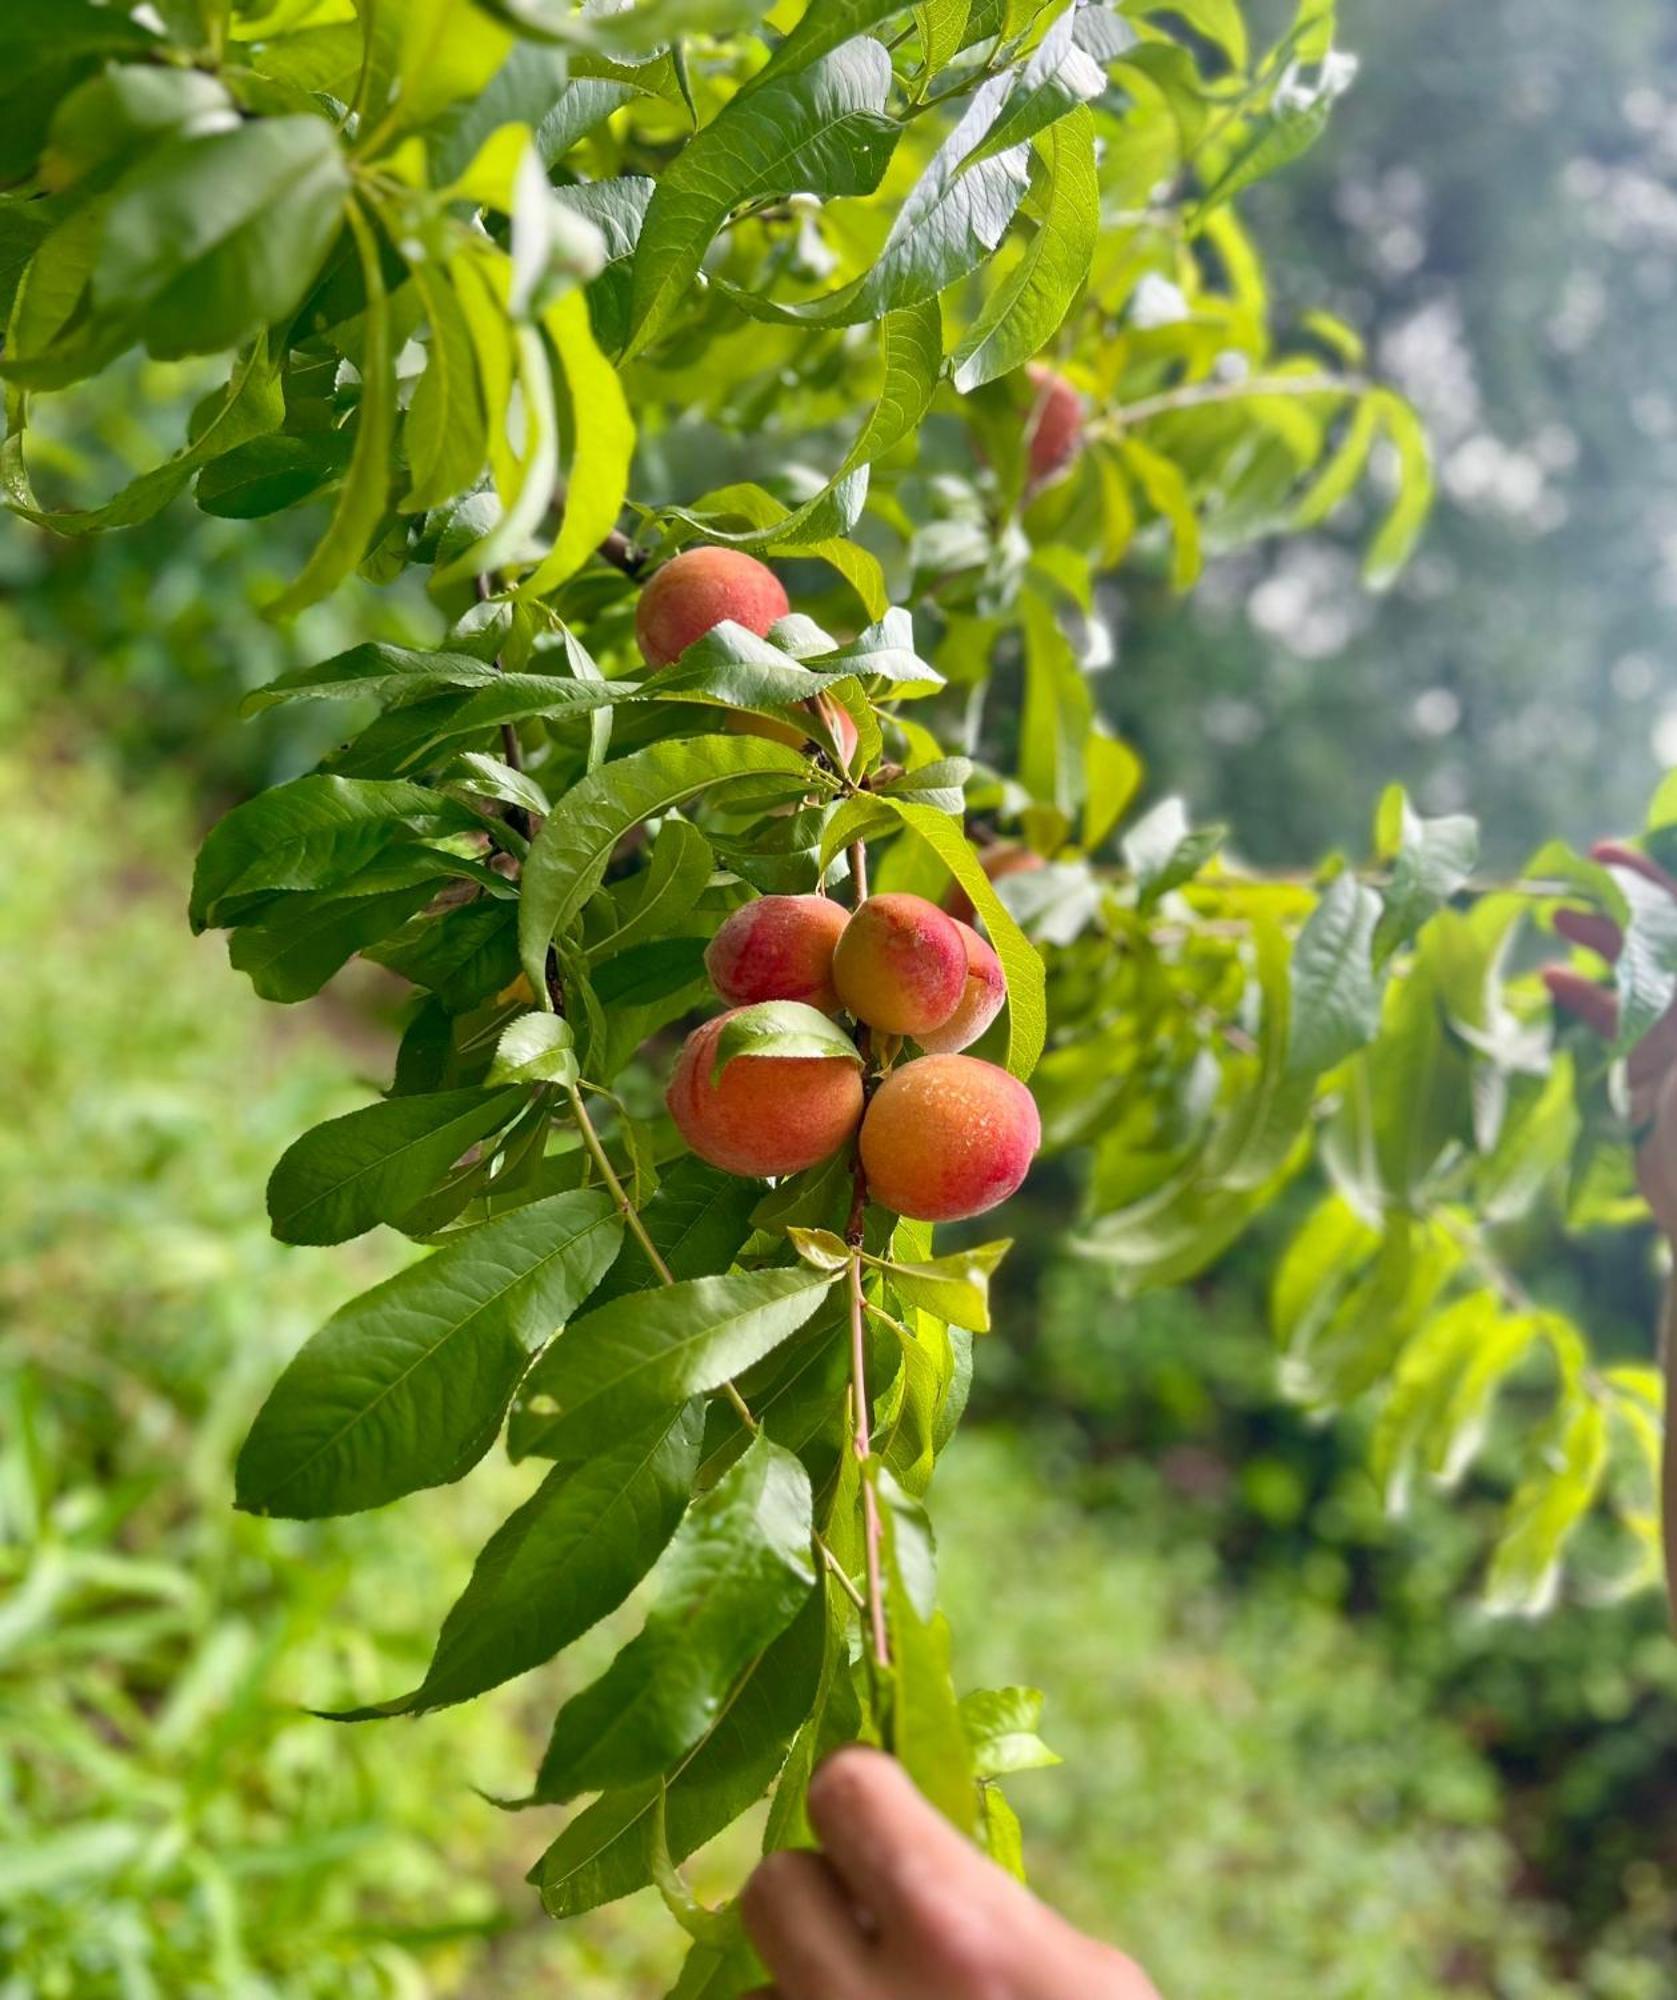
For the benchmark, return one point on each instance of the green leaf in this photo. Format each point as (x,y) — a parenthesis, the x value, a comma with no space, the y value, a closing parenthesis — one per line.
(955,1287)
(1431,859)
(736,1575)
(536,1048)
(121,110)
(1058,78)
(1336,996)
(782,1028)
(698,1219)
(251,404)
(567,859)
(1056,718)
(447,431)
(1001,1726)
(820,128)
(1163,851)
(607,1851)
(646,1351)
(1434,1417)
(1645,972)
(463,954)
(422,734)
(373,1165)
(1027,1010)
(1027,308)
(949,223)
(1161,479)
(1272,140)
(272,473)
(313,833)
(680,867)
(210,240)
(296,946)
(604,434)
(1401,529)
(362,497)
(392,674)
(406,1385)
(1566,1473)
(927,1734)
(568,1556)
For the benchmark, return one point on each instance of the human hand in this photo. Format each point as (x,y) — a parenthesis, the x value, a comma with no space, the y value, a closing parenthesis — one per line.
(897,1906)
(1652,1066)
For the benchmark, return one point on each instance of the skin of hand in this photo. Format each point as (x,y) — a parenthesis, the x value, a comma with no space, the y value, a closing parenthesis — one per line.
(897,1906)
(1652,1068)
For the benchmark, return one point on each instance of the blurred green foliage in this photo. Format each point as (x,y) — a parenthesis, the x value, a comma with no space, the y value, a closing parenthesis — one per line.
(1495,211)
(1299,1762)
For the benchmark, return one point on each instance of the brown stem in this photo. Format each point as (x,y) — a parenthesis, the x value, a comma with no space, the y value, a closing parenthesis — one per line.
(859,871)
(620,1194)
(617,549)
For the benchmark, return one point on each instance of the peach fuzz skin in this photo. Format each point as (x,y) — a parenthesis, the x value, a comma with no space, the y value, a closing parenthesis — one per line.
(979,1004)
(1056,424)
(947,1137)
(764,1114)
(695,591)
(900,965)
(778,948)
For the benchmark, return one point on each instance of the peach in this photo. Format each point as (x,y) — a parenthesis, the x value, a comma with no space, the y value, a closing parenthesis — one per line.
(695,591)
(764,1114)
(900,965)
(1055,424)
(1005,857)
(948,1137)
(980,1001)
(778,948)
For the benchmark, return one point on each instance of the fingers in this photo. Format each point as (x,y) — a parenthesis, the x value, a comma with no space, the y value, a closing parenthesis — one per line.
(885,1841)
(1616,854)
(1591,930)
(1596,1006)
(805,1930)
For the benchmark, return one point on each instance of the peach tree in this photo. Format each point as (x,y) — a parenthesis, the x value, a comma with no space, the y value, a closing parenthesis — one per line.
(758,394)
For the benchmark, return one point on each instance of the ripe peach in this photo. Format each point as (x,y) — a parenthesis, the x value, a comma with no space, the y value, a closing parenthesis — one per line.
(1006,857)
(764,1114)
(947,1137)
(837,718)
(980,1001)
(900,965)
(778,948)
(695,591)
(1056,424)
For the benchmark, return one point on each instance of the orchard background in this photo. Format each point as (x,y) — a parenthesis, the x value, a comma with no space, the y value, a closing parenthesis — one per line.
(362,365)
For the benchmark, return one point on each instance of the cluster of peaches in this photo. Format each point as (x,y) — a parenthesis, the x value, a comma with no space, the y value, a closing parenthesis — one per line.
(943,1136)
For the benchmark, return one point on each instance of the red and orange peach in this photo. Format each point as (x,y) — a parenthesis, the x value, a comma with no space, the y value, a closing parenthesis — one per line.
(900,965)
(947,1137)
(695,591)
(763,1114)
(778,948)
(980,1001)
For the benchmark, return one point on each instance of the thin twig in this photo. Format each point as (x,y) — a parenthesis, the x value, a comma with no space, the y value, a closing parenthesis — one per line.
(619,1194)
(1195,395)
(859,872)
